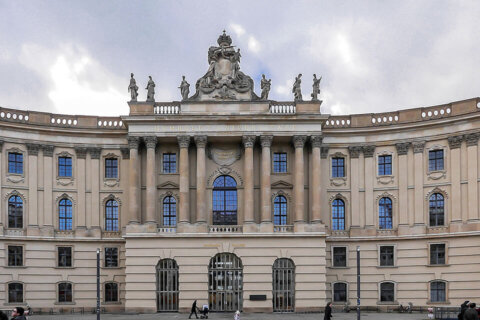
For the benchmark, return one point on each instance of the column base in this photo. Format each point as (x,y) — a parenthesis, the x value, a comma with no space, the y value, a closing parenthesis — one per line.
(300,226)
(47,231)
(251,227)
(150,227)
(186,227)
(33,230)
(94,232)
(201,227)
(81,232)
(266,227)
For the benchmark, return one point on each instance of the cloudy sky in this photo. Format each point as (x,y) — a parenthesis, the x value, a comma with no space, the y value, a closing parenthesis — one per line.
(75,57)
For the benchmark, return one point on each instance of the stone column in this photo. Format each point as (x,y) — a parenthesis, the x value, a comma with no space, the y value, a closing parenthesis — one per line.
(316,173)
(134,181)
(418,148)
(151,143)
(248,194)
(184,205)
(48,186)
(472,154)
(324,176)
(455,142)
(355,194)
(265,185)
(368,152)
(402,152)
(2,223)
(32,185)
(299,180)
(81,212)
(201,210)
(95,174)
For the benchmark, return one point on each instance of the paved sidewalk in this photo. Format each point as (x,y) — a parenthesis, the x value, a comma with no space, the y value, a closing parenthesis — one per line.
(244,316)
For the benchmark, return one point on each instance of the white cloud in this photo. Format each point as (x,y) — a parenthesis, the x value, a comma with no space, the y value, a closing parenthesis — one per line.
(253,44)
(238,29)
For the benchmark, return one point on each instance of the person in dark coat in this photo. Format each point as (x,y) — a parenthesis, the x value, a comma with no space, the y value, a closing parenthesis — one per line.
(3,316)
(17,313)
(194,310)
(328,312)
(471,313)
(463,307)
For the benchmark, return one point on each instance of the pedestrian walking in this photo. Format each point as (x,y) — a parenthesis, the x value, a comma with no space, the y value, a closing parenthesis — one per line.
(194,310)
(17,313)
(328,312)
(471,313)
(3,316)
(237,315)
(463,307)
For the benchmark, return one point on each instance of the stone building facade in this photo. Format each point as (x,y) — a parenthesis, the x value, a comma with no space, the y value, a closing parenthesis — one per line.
(242,203)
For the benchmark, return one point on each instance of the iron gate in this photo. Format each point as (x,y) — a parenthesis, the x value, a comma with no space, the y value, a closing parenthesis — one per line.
(283,285)
(225,282)
(167,285)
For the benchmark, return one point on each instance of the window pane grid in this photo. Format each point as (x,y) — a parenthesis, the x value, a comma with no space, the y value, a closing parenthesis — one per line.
(169,163)
(65,166)
(111,168)
(436,210)
(64,257)
(437,253)
(385,214)
(338,167)
(387,292)
(15,212)
(15,256)
(438,291)
(435,160)
(339,257)
(15,162)
(340,292)
(224,199)
(384,165)
(386,256)
(280,211)
(111,257)
(338,215)
(65,214)
(15,292)
(111,215)
(169,211)
(280,162)
(64,292)
(111,292)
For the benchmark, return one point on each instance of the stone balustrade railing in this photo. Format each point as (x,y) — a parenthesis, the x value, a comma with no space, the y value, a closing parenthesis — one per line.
(283,108)
(167,230)
(225,229)
(166,109)
(283,228)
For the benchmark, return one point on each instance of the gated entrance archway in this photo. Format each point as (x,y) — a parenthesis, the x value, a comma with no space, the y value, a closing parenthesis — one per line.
(167,285)
(225,282)
(283,285)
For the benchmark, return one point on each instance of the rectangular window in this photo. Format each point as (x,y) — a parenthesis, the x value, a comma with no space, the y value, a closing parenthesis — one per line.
(111,292)
(438,291)
(15,292)
(169,163)
(15,162)
(65,294)
(340,292)
(64,166)
(435,160)
(437,254)
(111,168)
(111,257)
(280,162)
(15,256)
(339,256)
(387,292)
(338,167)
(64,257)
(384,165)
(386,256)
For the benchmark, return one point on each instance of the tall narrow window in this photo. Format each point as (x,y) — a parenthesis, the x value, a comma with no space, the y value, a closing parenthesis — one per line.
(435,160)
(15,256)
(338,167)
(385,213)
(283,285)
(15,292)
(280,162)
(387,292)
(64,166)
(436,210)
(224,201)
(167,285)
(111,257)
(437,253)
(111,168)
(111,292)
(339,292)
(338,214)
(65,214)
(65,292)
(111,215)
(15,212)
(64,257)
(169,163)
(169,211)
(438,291)
(339,256)
(386,256)
(15,162)
(280,210)
(384,165)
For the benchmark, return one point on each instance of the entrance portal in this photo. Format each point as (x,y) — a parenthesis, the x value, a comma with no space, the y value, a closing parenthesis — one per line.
(283,285)
(167,285)
(225,282)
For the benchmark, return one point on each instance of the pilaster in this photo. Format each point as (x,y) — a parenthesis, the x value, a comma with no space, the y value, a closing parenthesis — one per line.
(32,150)
(299,180)
(316,142)
(184,205)
(134,181)
(201,209)
(455,143)
(265,187)
(151,143)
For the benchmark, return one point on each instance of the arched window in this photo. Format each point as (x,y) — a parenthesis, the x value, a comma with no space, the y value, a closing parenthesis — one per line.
(111,215)
(169,211)
(15,212)
(224,201)
(438,291)
(280,210)
(167,285)
(65,293)
(387,292)
(385,220)
(340,292)
(111,292)
(65,214)
(225,282)
(15,292)
(338,214)
(283,285)
(437,212)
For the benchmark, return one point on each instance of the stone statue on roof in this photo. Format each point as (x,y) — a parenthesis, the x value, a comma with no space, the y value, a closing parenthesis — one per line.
(184,88)
(150,90)
(297,88)
(265,86)
(132,88)
(316,87)
(223,79)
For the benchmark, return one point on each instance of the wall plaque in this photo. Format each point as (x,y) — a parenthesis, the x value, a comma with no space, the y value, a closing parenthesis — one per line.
(224,155)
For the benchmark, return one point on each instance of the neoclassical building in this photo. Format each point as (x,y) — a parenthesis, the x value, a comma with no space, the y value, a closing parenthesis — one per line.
(239,202)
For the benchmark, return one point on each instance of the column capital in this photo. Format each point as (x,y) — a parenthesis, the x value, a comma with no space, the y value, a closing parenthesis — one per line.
(81,152)
(95,152)
(48,150)
(316,141)
(133,142)
(183,141)
(368,151)
(299,141)
(472,139)
(354,151)
(32,149)
(418,146)
(200,141)
(324,152)
(248,141)
(455,141)
(125,153)
(150,142)
(402,148)
(266,141)
(1,145)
